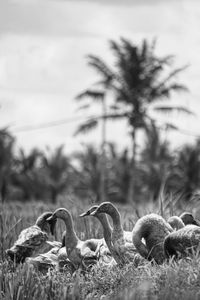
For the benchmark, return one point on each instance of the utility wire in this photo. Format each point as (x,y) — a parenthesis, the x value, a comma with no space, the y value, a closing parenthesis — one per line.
(48,124)
(182,131)
(75,119)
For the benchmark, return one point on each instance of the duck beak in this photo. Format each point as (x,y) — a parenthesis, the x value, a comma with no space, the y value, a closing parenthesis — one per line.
(196,222)
(84,214)
(50,219)
(94,213)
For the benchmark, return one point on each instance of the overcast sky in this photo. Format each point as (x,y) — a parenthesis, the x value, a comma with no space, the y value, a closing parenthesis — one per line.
(43,48)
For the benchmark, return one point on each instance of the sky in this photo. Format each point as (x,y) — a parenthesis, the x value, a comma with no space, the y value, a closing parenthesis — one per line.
(43,65)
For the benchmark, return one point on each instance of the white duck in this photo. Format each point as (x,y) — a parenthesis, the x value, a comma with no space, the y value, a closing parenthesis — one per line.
(122,251)
(80,253)
(105,249)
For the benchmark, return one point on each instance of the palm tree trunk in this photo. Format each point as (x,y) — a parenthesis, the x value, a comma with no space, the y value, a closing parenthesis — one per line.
(131,190)
(103,155)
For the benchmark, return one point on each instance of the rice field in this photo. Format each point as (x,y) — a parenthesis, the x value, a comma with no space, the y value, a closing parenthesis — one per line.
(172,280)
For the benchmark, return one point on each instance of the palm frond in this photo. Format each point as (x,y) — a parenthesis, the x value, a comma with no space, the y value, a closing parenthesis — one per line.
(94,94)
(170,109)
(178,87)
(115,116)
(171,126)
(172,74)
(101,67)
(163,91)
(83,107)
(87,126)
(114,107)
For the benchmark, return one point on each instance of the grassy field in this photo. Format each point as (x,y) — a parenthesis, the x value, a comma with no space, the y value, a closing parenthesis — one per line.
(172,280)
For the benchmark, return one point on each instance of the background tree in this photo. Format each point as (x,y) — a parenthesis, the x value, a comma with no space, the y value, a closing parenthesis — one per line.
(58,173)
(185,175)
(97,97)
(118,171)
(88,169)
(6,161)
(137,80)
(27,177)
(156,161)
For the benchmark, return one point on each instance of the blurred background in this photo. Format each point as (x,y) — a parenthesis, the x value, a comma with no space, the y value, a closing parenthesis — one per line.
(99,100)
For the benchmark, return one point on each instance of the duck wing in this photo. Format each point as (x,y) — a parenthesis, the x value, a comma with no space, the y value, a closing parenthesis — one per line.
(54,244)
(43,262)
(182,241)
(89,257)
(31,236)
(30,241)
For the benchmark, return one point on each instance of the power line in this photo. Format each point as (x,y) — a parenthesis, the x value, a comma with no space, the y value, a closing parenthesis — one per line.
(48,124)
(185,132)
(51,124)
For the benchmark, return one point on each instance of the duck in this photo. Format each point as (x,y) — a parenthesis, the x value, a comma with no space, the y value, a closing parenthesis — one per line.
(105,250)
(55,258)
(82,254)
(122,251)
(185,219)
(175,222)
(34,239)
(182,242)
(107,229)
(153,229)
(188,218)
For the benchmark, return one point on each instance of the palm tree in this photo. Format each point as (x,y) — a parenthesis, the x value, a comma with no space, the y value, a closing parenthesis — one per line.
(6,161)
(136,82)
(27,175)
(185,175)
(155,163)
(58,172)
(118,172)
(100,98)
(89,173)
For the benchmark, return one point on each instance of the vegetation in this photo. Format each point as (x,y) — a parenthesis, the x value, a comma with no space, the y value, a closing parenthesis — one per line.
(172,280)
(138,80)
(46,176)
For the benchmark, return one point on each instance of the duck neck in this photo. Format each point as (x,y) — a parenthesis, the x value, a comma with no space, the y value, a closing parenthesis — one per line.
(71,238)
(116,218)
(43,224)
(107,229)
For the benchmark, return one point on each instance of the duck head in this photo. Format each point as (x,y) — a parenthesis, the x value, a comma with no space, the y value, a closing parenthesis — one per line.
(14,255)
(71,238)
(176,222)
(18,253)
(45,224)
(61,213)
(188,218)
(89,211)
(105,207)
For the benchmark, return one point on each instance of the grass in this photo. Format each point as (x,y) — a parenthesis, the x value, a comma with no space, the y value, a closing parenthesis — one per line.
(172,280)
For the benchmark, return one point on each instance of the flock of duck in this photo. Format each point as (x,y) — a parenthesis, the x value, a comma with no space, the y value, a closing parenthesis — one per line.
(152,238)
